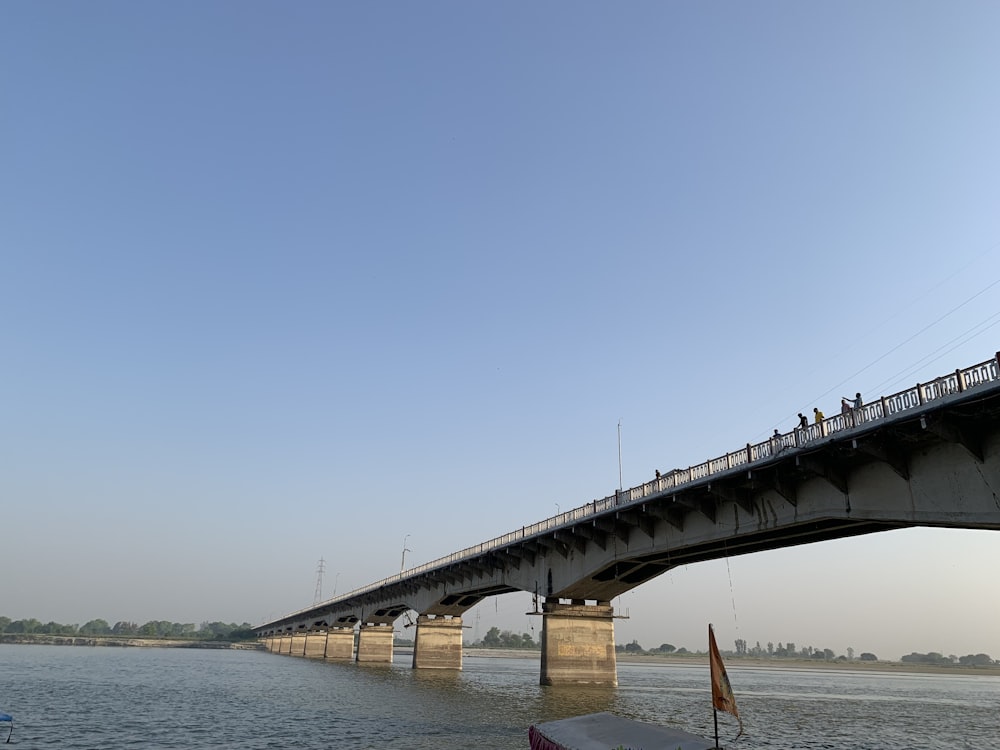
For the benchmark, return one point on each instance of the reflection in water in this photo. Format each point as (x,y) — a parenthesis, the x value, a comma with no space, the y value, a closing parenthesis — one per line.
(561,701)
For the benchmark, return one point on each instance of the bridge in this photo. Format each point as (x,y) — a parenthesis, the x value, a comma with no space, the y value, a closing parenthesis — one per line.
(926,456)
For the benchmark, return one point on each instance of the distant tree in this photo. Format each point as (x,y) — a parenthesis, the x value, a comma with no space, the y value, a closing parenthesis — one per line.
(976,660)
(850,654)
(867,656)
(4,622)
(666,648)
(215,630)
(682,650)
(492,638)
(57,628)
(828,654)
(30,625)
(95,627)
(932,658)
(633,647)
(770,648)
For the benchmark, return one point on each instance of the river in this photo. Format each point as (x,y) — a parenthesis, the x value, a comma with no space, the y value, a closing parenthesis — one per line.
(78,697)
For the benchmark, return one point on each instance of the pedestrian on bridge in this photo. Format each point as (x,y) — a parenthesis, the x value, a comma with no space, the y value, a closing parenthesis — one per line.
(854,406)
(845,412)
(817,415)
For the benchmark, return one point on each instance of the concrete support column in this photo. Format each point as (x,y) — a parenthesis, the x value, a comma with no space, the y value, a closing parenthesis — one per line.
(285,644)
(298,645)
(315,645)
(340,644)
(438,643)
(578,644)
(268,644)
(375,643)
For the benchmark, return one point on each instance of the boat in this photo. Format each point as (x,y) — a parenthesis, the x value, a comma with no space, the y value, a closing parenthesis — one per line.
(8,717)
(602,731)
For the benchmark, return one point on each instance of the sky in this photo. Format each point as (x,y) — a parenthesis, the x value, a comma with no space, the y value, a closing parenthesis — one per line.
(283,282)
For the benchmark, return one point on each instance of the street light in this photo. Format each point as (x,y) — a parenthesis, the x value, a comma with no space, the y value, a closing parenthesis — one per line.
(402,560)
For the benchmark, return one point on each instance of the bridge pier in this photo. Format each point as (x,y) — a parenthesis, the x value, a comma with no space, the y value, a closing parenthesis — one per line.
(285,644)
(438,643)
(315,647)
(375,643)
(340,644)
(578,644)
(298,647)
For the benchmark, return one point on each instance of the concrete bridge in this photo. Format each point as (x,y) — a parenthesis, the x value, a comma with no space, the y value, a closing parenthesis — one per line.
(927,456)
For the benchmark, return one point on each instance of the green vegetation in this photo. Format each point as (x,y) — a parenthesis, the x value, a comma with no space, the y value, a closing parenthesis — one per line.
(496,638)
(789,651)
(970,660)
(207,631)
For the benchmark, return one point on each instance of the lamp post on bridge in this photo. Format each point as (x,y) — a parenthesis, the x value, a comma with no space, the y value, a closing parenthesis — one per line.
(402,559)
(619,455)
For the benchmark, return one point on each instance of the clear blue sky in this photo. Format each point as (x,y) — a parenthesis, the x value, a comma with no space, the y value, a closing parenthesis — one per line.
(283,281)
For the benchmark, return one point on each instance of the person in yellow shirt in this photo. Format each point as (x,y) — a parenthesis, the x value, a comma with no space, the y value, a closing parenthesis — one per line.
(818,416)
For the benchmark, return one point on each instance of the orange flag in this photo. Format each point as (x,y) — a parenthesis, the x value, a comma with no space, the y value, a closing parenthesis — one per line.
(722,692)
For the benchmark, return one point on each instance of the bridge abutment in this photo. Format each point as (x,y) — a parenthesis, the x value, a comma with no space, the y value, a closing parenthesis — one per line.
(438,643)
(578,644)
(375,643)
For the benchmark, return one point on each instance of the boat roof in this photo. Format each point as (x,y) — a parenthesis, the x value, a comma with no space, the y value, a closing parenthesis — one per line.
(601,731)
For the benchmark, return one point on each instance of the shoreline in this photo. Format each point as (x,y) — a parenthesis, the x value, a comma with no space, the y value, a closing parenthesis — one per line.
(100,641)
(891,667)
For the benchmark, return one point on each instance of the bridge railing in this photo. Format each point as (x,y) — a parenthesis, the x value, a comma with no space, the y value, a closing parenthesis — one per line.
(878,409)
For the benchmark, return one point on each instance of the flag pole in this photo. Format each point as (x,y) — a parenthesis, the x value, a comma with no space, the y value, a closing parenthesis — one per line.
(715,718)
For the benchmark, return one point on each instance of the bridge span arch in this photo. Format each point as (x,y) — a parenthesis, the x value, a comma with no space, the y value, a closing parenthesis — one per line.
(929,456)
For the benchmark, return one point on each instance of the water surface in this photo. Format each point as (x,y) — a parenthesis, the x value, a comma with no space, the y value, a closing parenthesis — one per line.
(78,697)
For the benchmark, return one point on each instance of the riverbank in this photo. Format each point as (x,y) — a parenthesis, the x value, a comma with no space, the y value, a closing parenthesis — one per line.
(120,642)
(702,660)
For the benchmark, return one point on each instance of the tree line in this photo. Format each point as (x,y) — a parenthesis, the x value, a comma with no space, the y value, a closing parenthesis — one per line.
(206,631)
(789,651)
(496,638)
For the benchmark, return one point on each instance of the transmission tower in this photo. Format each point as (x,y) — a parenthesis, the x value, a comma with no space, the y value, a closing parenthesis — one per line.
(320,567)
